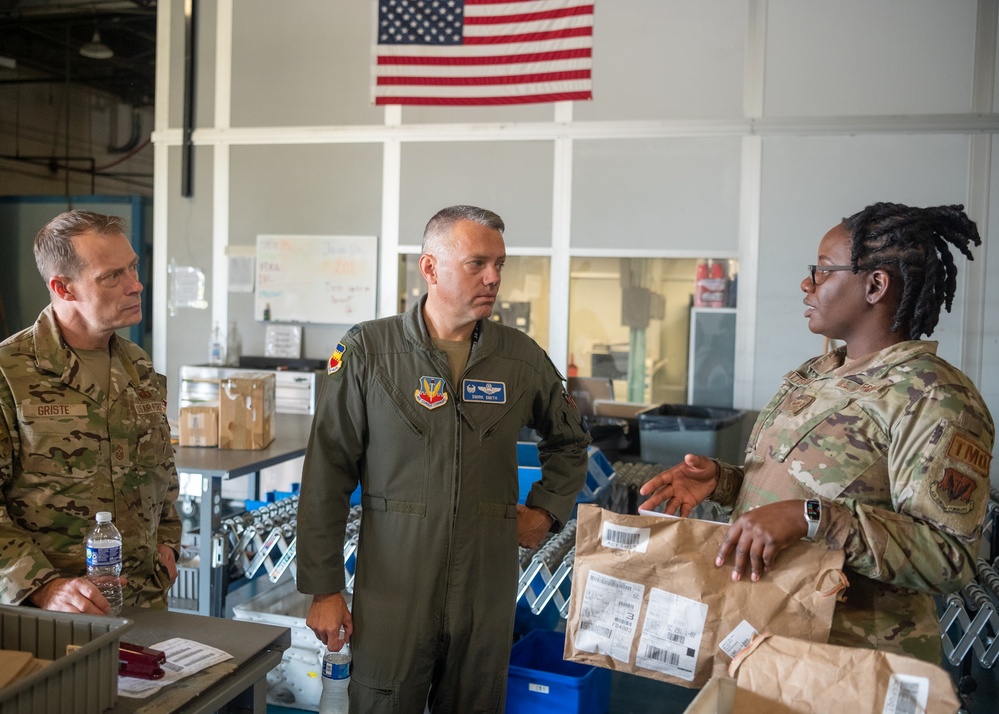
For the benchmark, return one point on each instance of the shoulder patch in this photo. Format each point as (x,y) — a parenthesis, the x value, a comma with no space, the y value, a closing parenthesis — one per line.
(336,359)
(954,492)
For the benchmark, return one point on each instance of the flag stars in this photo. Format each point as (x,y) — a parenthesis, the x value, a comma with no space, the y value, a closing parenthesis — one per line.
(428,22)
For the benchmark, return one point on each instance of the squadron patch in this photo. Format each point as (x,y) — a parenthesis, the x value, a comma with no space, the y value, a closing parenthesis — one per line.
(431,393)
(954,491)
(336,359)
(478,390)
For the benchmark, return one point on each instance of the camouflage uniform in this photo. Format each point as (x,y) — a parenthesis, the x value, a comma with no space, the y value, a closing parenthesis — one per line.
(897,447)
(67,451)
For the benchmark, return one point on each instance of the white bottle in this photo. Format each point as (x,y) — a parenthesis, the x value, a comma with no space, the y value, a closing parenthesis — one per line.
(104,560)
(216,348)
(336,678)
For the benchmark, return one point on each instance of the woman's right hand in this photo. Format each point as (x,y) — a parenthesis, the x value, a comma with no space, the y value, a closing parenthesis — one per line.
(681,487)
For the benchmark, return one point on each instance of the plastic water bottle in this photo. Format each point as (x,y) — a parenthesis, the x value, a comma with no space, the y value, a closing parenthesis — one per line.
(216,348)
(336,677)
(104,560)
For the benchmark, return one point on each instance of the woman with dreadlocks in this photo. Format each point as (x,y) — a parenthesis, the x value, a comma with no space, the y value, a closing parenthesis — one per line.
(879,448)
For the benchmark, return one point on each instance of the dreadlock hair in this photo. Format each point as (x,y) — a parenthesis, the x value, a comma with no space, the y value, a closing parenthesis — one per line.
(913,244)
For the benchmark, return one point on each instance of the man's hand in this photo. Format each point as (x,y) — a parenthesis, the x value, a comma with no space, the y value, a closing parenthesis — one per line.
(760,534)
(168,559)
(71,595)
(681,487)
(327,614)
(532,524)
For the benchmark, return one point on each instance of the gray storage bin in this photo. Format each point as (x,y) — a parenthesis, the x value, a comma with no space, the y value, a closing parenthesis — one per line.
(669,431)
(84,681)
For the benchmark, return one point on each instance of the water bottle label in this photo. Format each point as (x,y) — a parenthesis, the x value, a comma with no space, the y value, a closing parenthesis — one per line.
(97,557)
(336,671)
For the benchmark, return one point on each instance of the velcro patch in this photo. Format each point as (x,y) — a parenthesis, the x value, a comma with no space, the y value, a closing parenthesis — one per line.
(970,453)
(336,359)
(432,392)
(157,407)
(479,390)
(954,491)
(37,411)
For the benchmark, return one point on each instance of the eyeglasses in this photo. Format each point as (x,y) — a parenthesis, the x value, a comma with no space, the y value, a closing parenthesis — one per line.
(813,269)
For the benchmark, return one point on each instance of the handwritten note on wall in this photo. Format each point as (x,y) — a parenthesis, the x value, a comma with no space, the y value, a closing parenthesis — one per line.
(324,279)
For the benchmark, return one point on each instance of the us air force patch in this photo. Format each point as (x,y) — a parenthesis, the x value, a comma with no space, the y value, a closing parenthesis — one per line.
(431,393)
(336,359)
(478,390)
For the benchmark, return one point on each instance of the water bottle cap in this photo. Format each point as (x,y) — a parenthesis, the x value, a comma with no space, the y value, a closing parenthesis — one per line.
(103,517)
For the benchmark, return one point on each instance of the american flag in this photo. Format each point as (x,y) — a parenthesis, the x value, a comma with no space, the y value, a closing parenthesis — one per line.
(474,52)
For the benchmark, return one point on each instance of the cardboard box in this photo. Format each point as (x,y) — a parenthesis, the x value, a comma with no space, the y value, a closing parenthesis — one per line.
(199,425)
(246,411)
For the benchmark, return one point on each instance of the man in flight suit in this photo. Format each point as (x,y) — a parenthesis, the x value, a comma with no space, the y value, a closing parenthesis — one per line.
(83,429)
(423,410)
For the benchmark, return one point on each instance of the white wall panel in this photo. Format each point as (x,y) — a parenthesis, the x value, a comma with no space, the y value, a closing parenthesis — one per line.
(667,59)
(514,179)
(302,64)
(861,57)
(657,194)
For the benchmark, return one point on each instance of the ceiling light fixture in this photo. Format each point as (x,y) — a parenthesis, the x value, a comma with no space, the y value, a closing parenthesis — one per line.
(95,49)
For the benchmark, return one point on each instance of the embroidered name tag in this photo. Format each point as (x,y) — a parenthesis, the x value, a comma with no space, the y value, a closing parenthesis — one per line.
(969,453)
(478,390)
(35,411)
(150,407)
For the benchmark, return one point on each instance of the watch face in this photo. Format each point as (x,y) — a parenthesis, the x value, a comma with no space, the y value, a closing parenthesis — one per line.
(813,510)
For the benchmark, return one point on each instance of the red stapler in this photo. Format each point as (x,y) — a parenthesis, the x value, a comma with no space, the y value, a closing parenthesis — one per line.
(139,661)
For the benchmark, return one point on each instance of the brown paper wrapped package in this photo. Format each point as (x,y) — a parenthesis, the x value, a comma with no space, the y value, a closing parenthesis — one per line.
(647,598)
(784,675)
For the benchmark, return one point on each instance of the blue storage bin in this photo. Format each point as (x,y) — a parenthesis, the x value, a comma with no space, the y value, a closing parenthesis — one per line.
(541,681)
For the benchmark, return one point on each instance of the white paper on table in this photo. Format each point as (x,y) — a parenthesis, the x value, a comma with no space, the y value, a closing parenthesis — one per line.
(184,658)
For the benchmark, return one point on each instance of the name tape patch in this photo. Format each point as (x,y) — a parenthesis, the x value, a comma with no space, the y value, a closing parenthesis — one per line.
(35,411)
(970,453)
(479,390)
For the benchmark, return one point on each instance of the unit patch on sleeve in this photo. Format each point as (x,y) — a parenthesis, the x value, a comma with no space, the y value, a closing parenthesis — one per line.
(336,359)
(479,390)
(431,393)
(954,491)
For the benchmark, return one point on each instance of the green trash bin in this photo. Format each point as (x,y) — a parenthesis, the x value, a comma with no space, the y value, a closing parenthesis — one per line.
(669,431)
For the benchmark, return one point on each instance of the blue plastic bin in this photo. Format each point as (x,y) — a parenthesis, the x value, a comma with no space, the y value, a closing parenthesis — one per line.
(541,681)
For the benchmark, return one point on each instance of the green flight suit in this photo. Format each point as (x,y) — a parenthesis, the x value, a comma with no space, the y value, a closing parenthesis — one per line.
(436,574)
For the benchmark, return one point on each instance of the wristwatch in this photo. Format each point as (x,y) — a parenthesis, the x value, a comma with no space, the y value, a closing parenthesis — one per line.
(813,516)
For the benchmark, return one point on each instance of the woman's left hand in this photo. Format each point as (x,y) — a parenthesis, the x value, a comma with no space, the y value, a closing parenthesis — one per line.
(760,534)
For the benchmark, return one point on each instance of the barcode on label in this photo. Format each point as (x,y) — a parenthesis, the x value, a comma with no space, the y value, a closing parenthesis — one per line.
(908,698)
(678,637)
(619,538)
(907,694)
(625,538)
(661,655)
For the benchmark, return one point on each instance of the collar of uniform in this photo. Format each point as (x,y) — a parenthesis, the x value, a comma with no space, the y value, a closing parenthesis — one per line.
(53,355)
(483,337)
(834,364)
